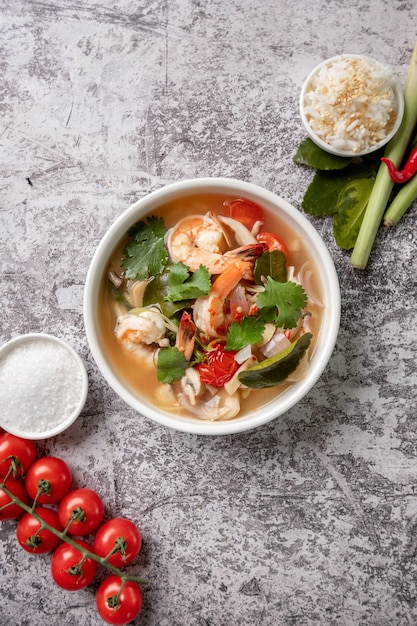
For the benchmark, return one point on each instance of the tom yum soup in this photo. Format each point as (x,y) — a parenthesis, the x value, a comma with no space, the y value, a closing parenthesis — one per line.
(211,306)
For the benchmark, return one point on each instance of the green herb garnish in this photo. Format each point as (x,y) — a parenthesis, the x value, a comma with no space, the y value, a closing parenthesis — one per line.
(184,285)
(171,365)
(287,298)
(246,332)
(145,254)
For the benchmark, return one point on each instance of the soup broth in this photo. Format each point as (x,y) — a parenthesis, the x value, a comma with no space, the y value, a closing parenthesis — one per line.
(140,373)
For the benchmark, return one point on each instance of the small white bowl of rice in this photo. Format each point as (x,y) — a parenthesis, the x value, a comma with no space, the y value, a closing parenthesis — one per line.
(351,105)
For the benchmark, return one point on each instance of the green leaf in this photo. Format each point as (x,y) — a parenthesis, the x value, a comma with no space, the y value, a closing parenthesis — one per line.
(183,286)
(323,192)
(156,292)
(246,332)
(310,154)
(288,297)
(171,365)
(271,263)
(145,254)
(351,205)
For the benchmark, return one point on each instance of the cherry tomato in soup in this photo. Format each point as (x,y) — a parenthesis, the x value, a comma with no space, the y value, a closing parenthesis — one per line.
(9,510)
(50,477)
(218,366)
(34,540)
(18,452)
(85,508)
(120,536)
(272,242)
(245,211)
(117,605)
(69,569)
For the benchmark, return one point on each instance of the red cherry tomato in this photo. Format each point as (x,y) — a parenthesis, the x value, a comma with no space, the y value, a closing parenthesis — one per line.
(118,609)
(245,211)
(85,507)
(8,510)
(69,569)
(51,477)
(272,242)
(218,366)
(36,541)
(17,451)
(121,535)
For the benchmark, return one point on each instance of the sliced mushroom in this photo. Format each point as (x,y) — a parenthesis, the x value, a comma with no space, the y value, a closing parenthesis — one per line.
(191,384)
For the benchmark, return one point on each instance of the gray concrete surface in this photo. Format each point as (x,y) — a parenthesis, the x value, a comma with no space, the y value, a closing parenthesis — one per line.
(311,519)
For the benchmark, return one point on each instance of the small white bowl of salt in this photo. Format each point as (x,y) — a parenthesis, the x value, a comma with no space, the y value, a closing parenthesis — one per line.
(43,386)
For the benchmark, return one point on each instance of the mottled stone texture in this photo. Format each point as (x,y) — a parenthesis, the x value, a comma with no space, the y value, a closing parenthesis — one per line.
(312,518)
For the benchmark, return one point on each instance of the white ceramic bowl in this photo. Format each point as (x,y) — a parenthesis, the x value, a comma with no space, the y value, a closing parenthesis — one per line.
(43,386)
(398,93)
(228,187)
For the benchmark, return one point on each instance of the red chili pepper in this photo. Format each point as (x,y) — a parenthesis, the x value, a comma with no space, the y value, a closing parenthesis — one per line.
(408,171)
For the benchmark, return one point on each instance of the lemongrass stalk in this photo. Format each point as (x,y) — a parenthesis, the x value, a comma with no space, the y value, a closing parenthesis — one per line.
(402,201)
(383,184)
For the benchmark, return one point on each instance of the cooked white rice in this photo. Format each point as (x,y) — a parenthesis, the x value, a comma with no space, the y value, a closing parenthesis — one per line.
(350,103)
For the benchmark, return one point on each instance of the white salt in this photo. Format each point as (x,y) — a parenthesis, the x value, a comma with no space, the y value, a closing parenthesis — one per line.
(41,385)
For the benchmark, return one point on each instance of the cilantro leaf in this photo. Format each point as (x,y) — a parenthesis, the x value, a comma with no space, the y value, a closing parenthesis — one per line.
(171,365)
(145,253)
(155,294)
(182,286)
(288,297)
(246,332)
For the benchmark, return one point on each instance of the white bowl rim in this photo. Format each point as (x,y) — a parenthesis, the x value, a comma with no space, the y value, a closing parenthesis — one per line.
(349,153)
(59,428)
(119,228)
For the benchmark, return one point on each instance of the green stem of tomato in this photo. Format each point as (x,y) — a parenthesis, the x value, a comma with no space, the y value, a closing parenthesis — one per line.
(64,537)
(44,487)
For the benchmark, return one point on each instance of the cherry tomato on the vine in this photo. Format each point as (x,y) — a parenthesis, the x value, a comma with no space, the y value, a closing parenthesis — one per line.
(9,510)
(69,569)
(18,452)
(85,508)
(245,211)
(51,477)
(272,242)
(31,539)
(121,536)
(218,366)
(118,609)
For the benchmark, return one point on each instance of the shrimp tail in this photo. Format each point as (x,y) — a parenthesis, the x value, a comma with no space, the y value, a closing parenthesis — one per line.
(247,253)
(186,335)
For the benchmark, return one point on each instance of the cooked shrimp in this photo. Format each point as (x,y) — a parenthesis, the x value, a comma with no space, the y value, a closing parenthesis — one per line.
(200,240)
(211,313)
(147,327)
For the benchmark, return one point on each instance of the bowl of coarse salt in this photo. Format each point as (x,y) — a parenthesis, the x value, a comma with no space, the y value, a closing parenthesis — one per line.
(351,105)
(43,386)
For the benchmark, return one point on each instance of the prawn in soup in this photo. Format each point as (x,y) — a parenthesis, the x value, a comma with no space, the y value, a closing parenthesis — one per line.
(211,306)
